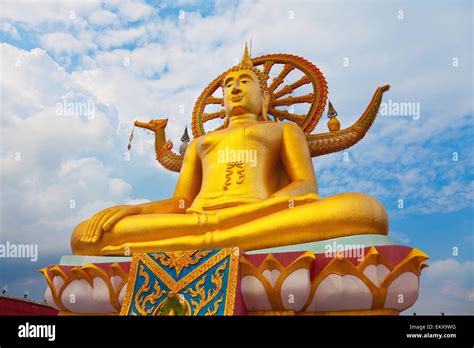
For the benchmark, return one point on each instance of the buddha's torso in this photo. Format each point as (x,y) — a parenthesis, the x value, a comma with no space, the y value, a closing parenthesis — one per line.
(240,164)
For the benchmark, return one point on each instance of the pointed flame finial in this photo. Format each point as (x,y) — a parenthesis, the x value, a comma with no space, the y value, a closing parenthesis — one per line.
(185,138)
(246,62)
(331,111)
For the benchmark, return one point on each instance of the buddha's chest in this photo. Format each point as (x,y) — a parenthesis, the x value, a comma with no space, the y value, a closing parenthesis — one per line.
(256,138)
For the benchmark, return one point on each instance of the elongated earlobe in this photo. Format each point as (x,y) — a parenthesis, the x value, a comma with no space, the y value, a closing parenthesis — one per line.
(226,121)
(266,102)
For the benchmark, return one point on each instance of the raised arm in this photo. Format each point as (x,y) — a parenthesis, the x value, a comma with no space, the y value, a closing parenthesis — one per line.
(297,162)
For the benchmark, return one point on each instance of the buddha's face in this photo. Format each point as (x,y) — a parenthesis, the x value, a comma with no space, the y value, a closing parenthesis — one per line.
(242,93)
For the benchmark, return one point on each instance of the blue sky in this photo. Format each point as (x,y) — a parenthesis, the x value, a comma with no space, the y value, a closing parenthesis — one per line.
(144,60)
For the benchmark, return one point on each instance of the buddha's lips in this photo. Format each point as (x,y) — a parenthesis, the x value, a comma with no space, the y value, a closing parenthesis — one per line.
(237,99)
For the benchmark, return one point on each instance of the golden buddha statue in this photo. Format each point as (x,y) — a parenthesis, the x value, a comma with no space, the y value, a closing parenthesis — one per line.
(250,183)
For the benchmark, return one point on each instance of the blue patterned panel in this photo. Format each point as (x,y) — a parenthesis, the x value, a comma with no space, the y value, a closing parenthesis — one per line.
(194,282)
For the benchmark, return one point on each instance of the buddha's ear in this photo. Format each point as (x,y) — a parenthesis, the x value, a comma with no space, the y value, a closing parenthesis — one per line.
(265,103)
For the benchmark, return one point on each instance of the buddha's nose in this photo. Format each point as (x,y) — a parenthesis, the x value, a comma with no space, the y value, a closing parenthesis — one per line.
(235,89)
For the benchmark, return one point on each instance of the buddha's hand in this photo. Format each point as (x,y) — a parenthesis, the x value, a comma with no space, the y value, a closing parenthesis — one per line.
(104,220)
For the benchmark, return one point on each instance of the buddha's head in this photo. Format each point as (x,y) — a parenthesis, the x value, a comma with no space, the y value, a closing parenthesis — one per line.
(245,90)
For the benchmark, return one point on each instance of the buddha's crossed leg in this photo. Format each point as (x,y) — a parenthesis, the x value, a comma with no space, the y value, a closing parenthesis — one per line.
(336,216)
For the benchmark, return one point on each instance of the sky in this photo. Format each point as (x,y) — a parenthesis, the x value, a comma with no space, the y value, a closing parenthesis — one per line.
(129,60)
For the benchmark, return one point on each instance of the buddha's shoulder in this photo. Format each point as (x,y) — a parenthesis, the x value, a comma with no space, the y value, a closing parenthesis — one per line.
(285,127)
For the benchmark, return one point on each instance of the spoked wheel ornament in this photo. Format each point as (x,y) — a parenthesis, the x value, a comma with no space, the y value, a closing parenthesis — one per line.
(288,95)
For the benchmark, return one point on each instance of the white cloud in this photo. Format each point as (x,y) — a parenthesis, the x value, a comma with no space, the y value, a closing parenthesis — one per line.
(119,188)
(457,271)
(400,237)
(143,62)
(446,286)
(117,38)
(103,17)
(21,72)
(65,43)
(10,30)
(39,12)
(133,11)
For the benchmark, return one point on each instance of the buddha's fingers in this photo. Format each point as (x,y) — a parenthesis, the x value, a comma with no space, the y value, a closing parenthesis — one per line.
(85,236)
(93,225)
(90,227)
(119,215)
(97,232)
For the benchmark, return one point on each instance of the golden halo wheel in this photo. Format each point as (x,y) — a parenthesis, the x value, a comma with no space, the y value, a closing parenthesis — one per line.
(280,96)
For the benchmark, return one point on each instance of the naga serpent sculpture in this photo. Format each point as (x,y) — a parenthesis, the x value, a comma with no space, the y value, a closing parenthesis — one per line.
(319,144)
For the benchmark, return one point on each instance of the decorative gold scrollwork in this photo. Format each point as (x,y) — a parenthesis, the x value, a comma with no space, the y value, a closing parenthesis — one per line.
(179,260)
(142,301)
(200,298)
